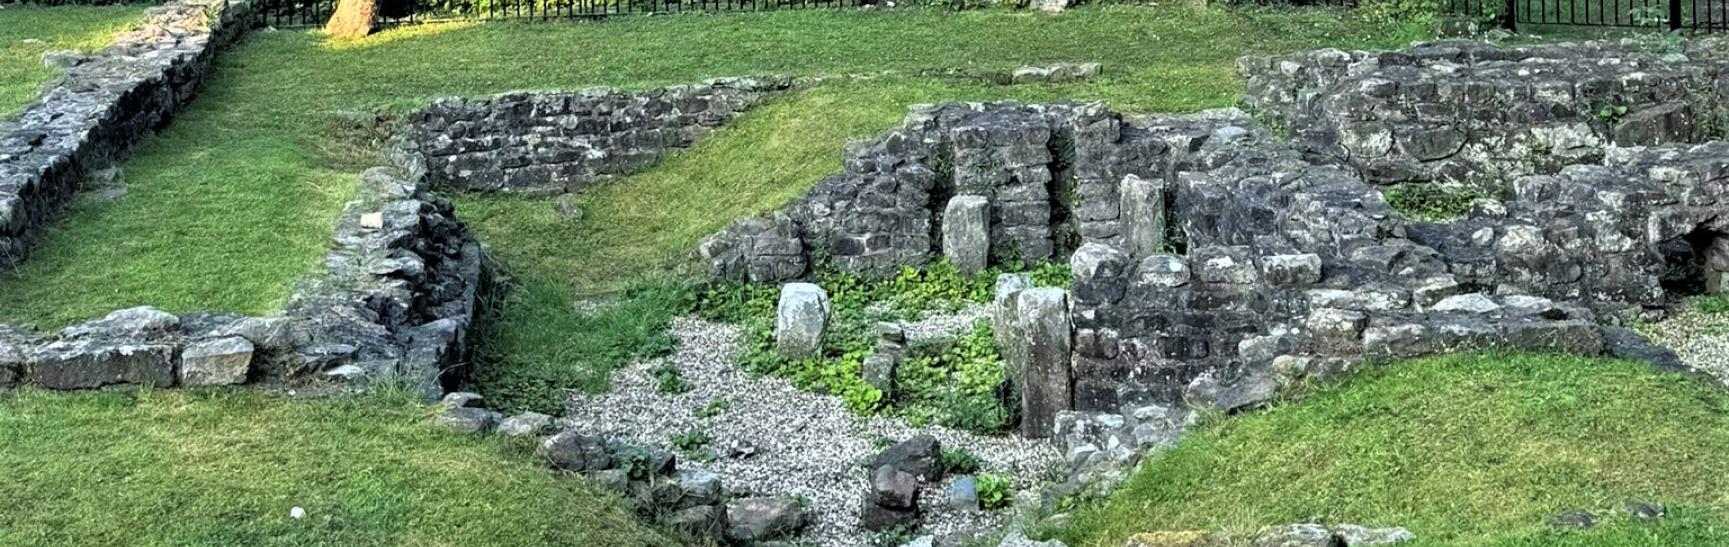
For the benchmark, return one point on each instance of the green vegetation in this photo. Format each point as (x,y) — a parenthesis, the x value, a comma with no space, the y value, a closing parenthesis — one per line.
(192,467)
(960,384)
(26,32)
(250,164)
(1431,202)
(1715,304)
(958,461)
(995,491)
(668,379)
(1465,450)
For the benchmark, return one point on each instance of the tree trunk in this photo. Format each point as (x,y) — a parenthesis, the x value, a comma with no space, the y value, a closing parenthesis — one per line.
(353,18)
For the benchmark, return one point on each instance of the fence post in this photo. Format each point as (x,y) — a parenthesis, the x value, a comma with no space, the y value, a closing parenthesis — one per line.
(1674,15)
(1510,20)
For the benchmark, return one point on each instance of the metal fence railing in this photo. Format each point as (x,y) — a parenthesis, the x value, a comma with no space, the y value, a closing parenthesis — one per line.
(307,13)
(1669,15)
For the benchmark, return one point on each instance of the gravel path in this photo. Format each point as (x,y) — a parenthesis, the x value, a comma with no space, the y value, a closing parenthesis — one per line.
(1700,339)
(805,444)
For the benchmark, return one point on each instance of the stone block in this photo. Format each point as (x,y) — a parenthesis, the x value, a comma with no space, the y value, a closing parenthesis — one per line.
(1143,215)
(800,319)
(1291,270)
(218,362)
(1047,336)
(90,363)
(966,233)
(1100,273)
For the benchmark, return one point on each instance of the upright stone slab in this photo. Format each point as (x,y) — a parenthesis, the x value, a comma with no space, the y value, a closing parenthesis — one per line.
(800,319)
(1143,212)
(1046,382)
(1005,326)
(966,233)
(1717,265)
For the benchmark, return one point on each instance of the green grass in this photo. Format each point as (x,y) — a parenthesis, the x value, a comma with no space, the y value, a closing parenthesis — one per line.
(82,28)
(250,165)
(1463,450)
(226,467)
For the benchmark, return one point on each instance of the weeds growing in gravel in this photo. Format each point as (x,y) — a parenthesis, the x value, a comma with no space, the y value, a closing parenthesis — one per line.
(1714,304)
(960,385)
(957,461)
(995,491)
(713,408)
(668,378)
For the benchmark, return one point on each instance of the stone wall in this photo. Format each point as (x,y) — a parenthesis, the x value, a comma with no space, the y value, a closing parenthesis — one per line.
(557,142)
(1468,112)
(1214,263)
(394,303)
(100,107)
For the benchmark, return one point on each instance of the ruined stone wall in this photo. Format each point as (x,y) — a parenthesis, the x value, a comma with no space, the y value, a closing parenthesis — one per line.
(551,143)
(1214,263)
(100,107)
(1473,113)
(394,302)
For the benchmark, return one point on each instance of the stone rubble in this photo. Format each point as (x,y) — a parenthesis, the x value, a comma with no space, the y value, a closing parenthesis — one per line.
(806,445)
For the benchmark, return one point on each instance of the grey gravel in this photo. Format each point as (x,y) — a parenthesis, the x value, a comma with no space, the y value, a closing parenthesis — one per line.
(1700,339)
(805,444)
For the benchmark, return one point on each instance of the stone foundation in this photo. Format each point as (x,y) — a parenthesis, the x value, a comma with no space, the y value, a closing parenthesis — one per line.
(558,142)
(1213,263)
(103,104)
(1472,113)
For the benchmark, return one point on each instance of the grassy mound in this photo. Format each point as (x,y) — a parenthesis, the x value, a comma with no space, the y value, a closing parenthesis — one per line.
(227,467)
(83,28)
(1465,450)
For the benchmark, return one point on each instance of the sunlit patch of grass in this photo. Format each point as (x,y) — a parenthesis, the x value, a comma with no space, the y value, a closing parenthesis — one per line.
(26,32)
(1463,450)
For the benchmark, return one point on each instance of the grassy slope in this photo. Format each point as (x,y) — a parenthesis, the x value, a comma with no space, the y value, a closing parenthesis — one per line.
(82,28)
(1474,450)
(244,168)
(226,468)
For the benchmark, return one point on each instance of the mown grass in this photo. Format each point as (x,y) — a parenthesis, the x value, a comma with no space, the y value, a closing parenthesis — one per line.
(233,201)
(227,467)
(26,32)
(1462,450)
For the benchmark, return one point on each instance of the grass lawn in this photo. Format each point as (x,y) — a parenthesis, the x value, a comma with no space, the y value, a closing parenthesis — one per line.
(1462,450)
(28,31)
(248,166)
(227,467)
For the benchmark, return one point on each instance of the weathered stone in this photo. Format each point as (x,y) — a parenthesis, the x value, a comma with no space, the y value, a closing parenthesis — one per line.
(1046,382)
(1143,214)
(1291,270)
(703,521)
(763,519)
(1162,270)
(698,487)
(222,361)
(1574,518)
(1005,327)
(877,518)
(1644,510)
(525,424)
(966,233)
(130,323)
(920,455)
(879,372)
(894,488)
(1353,535)
(1100,273)
(963,493)
(1467,303)
(90,363)
(800,320)
(575,452)
(467,419)
(1298,535)
(459,399)
(1249,392)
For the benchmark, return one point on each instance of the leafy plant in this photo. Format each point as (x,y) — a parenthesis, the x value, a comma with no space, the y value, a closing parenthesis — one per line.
(1612,113)
(691,441)
(669,378)
(995,491)
(713,408)
(1714,304)
(1430,202)
(958,461)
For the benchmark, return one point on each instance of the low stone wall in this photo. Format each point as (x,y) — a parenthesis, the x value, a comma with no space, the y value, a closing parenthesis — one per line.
(1214,263)
(394,303)
(1473,113)
(557,142)
(100,107)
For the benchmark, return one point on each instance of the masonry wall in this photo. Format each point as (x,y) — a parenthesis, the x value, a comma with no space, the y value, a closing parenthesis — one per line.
(557,142)
(101,106)
(1472,113)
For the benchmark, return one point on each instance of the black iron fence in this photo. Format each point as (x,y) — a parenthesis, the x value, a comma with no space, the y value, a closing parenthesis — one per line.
(1660,15)
(307,13)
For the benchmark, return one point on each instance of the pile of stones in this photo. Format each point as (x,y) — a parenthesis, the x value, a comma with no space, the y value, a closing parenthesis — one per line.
(146,346)
(690,500)
(100,106)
